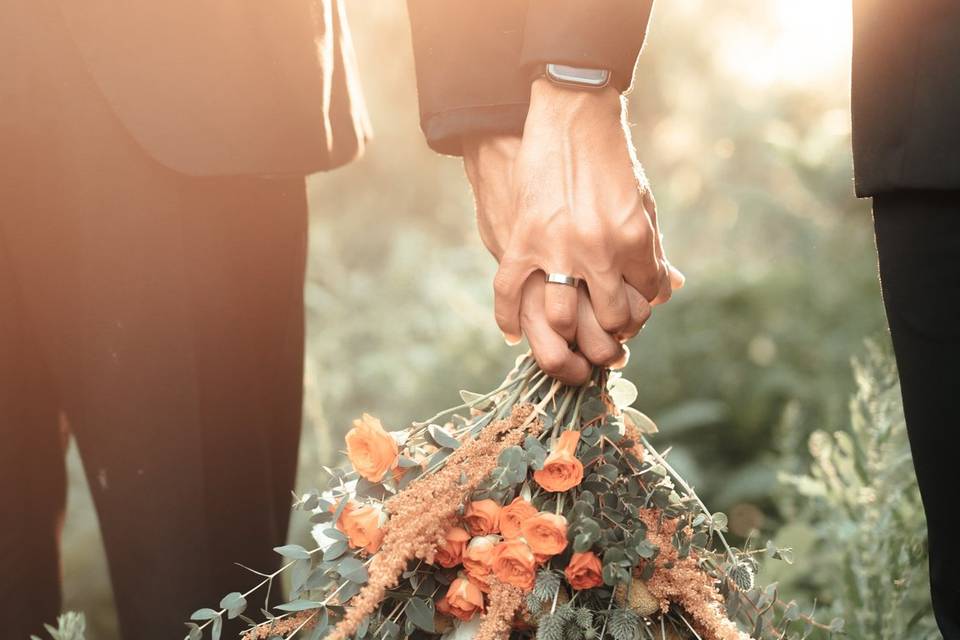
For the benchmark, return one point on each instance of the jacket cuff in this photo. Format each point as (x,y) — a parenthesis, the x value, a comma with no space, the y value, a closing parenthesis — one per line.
(596,34)
(445,130)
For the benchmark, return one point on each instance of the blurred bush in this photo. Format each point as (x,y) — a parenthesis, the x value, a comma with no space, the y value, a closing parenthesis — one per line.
(857,520)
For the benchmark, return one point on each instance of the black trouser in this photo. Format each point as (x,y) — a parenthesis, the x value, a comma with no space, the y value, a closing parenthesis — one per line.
(157,316)
(918,241)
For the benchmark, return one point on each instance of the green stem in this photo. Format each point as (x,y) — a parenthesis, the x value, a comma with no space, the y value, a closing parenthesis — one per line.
(689,491)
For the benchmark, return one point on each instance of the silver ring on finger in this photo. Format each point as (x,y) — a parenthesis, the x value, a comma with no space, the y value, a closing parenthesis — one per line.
(562,278)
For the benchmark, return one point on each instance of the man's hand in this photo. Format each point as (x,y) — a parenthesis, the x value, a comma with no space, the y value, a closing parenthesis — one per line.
(577,204)
(489,162)
(552,351)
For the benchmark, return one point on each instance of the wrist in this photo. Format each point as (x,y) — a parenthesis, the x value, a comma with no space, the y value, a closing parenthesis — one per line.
(479,145)
(565,103)
(488,154)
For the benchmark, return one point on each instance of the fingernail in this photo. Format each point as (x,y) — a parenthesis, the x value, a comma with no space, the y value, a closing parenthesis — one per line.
(624,359)
(677,277)
(512,340)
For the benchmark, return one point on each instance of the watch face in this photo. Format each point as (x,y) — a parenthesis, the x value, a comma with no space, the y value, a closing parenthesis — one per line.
(578,76)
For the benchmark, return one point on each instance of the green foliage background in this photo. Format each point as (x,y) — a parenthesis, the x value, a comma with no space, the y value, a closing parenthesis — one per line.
(755,186)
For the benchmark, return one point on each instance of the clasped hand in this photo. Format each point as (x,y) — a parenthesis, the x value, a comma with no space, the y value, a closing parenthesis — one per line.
(569,197)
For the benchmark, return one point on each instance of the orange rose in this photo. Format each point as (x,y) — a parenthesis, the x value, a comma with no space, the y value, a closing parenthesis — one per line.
(463,599)
(561,470)
(513,515)
(513,562)
(546,533)
(584,571)
(478,556)
(450,553)
(482,517)
(371,450)
(482,582)
(363,526)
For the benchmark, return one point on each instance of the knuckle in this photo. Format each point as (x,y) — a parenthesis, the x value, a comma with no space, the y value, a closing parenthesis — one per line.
(606,353)
(634,233)
(614,323)
(592,236)
(503,284)
(561,317)
(614,318)
(552,361)
(650,285)
(642,311)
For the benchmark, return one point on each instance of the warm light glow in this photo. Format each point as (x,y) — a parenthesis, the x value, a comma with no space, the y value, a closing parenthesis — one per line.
(808,45)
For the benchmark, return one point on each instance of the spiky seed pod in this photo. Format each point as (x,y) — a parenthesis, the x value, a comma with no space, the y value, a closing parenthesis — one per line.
(546,584)
(584,617)
(572,631)
(742,575)
(624,624)
(637,599)
(551,627)
(531,616)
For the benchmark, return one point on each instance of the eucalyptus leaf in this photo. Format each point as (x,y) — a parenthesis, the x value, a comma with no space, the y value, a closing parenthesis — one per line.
(335,550)
(335,534)
(476,400)
(298,576)
(204,614)
(299,605)
(441,438)
(405,463)
(420,611)
(622,392)
(234,603)
(389,631)
(719,521)
(293,551)
(352,569)
(640,420)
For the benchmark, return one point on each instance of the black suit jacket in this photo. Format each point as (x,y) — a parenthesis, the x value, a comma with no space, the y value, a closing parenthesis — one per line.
(227,87)
(475,61)
(906,95)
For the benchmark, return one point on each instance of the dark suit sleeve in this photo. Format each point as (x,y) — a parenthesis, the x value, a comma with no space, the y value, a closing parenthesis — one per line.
(475,60)
(467,54)
(597,34)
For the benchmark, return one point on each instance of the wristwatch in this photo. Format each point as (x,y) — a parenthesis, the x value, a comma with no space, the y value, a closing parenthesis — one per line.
(578,77)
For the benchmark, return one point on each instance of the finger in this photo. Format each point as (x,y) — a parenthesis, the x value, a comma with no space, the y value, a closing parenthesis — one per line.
(664,290)
(677,279)
(599,347)
(609,299)
(550,349)
(560,307)
(668,275)
(639,314)
(507,291)
(644,272)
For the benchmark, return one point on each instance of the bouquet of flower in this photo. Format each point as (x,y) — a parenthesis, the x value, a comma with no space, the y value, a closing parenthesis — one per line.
(536,509)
